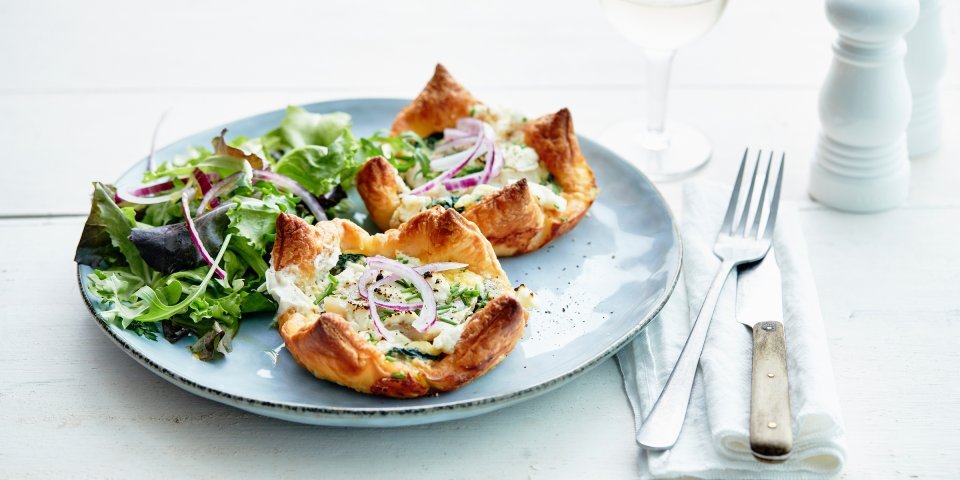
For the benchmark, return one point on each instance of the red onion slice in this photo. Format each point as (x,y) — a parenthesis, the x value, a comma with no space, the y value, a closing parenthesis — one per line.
(128,197)
(137,195)
(457,143)
(494,166)
(428,314)
(371,273)
(290,184)
(377,323)
(462,183)
(204,181)
(470,125)
(185,200)
(454,133)
(478,149)
(221,187)
(450,161)
(490,170)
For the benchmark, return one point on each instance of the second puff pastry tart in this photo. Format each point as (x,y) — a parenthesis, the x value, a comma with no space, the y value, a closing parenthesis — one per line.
(420,309)
(523,182)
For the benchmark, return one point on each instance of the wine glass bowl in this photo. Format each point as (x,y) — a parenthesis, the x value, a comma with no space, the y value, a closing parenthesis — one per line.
(662,150)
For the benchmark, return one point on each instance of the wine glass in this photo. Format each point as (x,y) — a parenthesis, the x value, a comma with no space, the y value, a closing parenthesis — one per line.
(662,150)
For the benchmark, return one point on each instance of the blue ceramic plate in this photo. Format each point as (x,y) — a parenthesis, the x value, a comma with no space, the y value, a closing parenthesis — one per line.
(597,286)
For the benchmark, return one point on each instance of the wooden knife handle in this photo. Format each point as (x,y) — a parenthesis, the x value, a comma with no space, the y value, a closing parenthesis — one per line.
(771,434)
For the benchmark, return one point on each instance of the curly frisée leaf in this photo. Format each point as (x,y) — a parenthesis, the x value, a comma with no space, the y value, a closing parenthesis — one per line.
(255,219)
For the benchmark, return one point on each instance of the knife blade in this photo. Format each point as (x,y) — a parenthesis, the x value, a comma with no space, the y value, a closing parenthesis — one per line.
(760,307)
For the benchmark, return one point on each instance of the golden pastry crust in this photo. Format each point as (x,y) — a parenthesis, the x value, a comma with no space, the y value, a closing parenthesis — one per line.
(512,219)
(327,346)
(442,101)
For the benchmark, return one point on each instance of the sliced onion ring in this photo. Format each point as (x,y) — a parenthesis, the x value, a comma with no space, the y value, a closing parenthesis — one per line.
(290,184)
(452,160)
(371,273)
(377,323)
(137,195)
(470,125)
(204,181)
(478,149)
(454,133)
(490,170)
(221,187)
(428,313)
(455,143)
(185,200)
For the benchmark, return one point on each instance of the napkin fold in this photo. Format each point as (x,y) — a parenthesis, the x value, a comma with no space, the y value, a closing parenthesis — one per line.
(715,441)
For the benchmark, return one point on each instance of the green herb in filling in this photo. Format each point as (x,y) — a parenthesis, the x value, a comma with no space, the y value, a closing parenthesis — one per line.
(447,202)
(552,183)
(342,262)
(411,353)
(332,283)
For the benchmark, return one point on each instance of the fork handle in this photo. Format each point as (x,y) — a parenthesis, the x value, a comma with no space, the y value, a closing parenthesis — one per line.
(771,435)
(661,428)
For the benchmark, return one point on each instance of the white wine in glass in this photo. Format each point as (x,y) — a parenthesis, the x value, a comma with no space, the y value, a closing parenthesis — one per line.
(664,151)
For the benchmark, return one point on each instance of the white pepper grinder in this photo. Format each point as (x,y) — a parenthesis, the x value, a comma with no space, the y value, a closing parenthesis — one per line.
(926,62)
(861,162)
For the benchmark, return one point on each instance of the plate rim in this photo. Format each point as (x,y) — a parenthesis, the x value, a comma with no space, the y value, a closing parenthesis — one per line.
(265,407)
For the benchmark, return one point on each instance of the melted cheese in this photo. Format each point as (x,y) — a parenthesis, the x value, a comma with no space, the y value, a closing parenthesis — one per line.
(283,287)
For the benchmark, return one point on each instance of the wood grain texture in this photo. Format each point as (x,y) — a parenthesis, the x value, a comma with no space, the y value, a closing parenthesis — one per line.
(84,84)
(771,437)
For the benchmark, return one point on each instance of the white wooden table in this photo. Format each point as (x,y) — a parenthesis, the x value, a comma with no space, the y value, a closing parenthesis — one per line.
(82,85)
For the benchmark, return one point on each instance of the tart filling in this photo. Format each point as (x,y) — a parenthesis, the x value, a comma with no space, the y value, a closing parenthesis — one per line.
(351,284)
(503,160)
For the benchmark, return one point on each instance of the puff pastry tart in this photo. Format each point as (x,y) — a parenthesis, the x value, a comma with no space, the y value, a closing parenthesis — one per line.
(523,182)
(420,309)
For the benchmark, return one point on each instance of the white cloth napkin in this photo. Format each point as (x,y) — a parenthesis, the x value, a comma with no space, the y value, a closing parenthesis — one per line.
(715,441)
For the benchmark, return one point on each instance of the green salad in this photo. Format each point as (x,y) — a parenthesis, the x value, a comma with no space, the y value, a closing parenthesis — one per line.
(185,252)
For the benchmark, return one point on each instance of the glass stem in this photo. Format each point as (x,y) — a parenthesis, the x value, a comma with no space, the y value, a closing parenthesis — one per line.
(658,80)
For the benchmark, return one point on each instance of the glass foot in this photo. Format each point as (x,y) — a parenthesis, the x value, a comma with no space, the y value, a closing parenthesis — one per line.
(677,154)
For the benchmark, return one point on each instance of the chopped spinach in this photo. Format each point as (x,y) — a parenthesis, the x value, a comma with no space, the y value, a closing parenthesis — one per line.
(342,262)
(431,141)
(448,202)
(411,353)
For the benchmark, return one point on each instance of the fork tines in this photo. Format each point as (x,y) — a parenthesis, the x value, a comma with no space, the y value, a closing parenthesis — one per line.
(746,215)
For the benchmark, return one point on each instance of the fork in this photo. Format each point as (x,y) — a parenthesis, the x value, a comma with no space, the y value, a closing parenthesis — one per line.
(741,240)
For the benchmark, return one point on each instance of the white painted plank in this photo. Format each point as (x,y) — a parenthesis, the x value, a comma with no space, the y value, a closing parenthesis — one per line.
(889,288)
(181,45)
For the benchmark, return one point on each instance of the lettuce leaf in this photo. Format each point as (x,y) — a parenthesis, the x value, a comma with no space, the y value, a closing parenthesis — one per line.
(104,240)
(319,169)
(317,150)
(300,128)
(255,219)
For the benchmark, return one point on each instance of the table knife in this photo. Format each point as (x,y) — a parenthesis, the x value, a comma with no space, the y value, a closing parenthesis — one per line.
(760,307)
